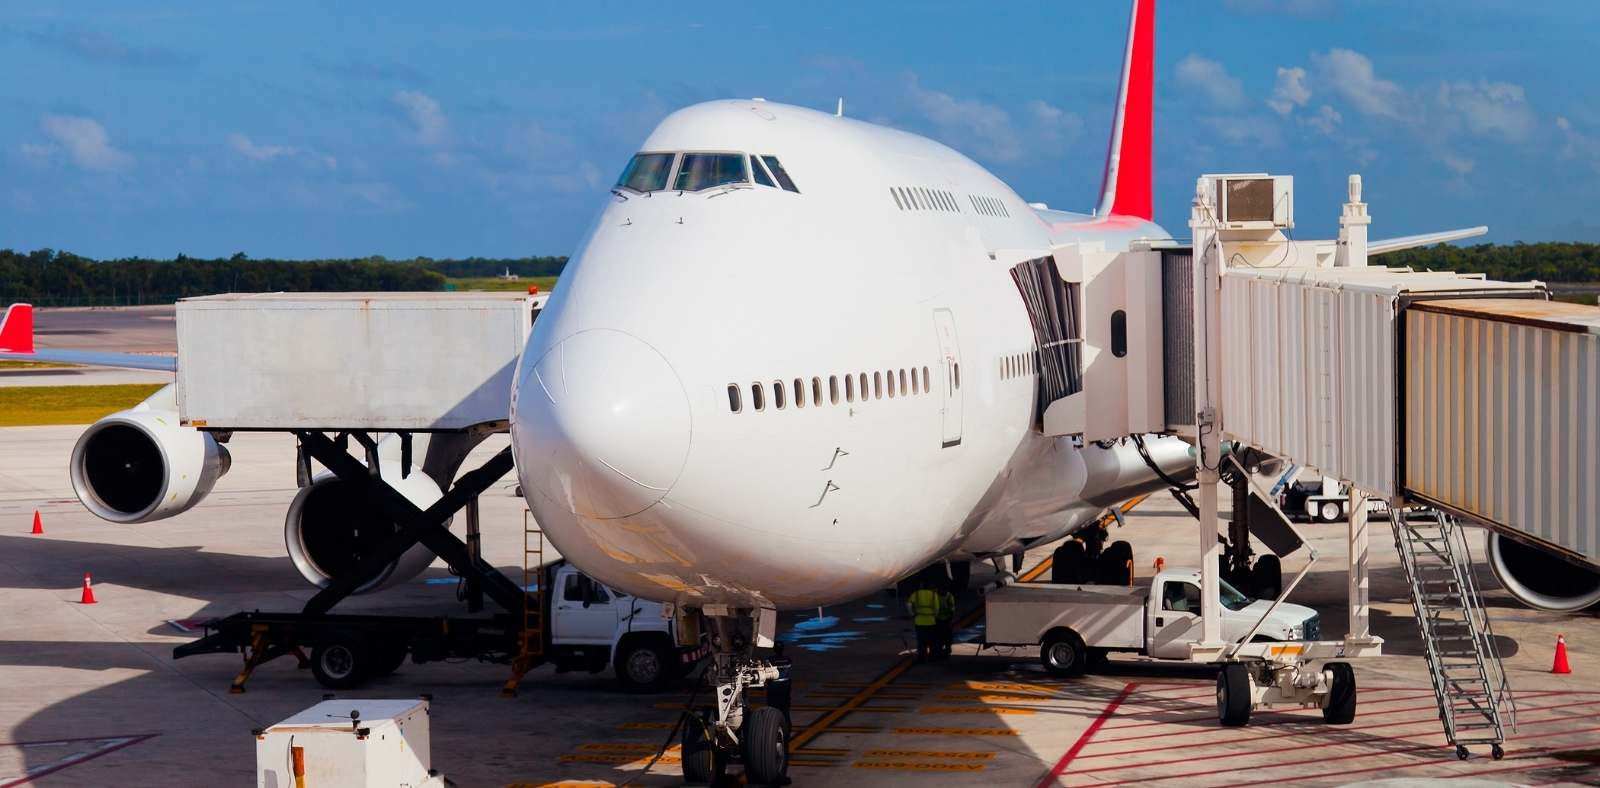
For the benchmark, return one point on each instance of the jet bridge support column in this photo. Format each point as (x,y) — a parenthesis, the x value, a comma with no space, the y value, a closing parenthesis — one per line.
(1360,611)
(1207,274)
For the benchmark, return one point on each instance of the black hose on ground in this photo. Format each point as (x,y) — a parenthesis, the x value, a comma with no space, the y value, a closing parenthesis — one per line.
(688,711)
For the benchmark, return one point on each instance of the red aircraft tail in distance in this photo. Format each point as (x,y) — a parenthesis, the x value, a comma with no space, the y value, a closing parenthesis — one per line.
(16,329)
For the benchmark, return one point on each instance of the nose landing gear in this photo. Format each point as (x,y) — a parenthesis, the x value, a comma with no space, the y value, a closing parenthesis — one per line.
(732,731)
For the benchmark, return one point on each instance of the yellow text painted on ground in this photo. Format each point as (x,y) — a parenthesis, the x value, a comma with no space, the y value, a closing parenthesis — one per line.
(955,731)
(614,760)
(955,755)
(618,746)
(921,766)
(1006,686)
(995,698)
(972,710)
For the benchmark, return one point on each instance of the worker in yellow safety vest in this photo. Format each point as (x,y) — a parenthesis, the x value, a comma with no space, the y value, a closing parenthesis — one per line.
(945,618)
(923,605)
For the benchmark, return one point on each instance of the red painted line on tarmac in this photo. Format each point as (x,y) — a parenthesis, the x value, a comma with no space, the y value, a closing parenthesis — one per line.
(1083,740)
(1317,729)
(1210,716)
(1538,754)
(74,761)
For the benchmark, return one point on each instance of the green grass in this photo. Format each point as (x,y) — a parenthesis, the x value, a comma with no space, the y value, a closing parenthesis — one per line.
(34,405)
(8,364)
(545,283)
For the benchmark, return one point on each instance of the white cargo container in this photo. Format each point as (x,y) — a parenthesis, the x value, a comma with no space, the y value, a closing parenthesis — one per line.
(357,743)
(368,361)
(1502,405)
(1310,364)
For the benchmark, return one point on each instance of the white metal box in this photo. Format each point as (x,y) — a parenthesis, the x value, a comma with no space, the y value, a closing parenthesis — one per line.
(1104,616)
(385,744)
(1310,363)
(372,361)
(1253,201)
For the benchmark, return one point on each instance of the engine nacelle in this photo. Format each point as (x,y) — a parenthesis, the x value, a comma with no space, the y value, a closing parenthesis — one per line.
(141,464)
(331,526)
(1540,579)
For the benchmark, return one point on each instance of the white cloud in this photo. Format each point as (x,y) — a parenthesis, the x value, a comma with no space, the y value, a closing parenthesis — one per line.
(1460,165)
(1580,146)
(1238,129)
(1326,120)
(85,142)
(1290,92)
(1351,75)
(432,127)
(1211,80)
(1052,126)
(984,126)
(1492,109)
(250,150)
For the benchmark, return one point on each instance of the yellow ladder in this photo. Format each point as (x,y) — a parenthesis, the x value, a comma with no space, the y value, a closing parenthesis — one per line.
(530,643)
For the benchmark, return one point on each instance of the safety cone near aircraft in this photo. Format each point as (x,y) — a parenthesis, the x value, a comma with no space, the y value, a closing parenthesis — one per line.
(1561,665)
(88,591)
(38,524)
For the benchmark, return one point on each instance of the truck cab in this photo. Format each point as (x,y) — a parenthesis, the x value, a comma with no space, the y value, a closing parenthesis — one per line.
(592,626)
(1172,613)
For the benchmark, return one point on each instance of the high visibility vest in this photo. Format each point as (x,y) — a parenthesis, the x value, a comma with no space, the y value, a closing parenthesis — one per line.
(947,606)
(924,607)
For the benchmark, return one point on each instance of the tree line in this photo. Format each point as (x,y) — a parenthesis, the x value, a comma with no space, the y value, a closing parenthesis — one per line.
(48,277)
(1516,262)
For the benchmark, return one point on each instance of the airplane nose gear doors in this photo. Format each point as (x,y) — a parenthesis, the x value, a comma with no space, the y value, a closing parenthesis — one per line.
(731,730)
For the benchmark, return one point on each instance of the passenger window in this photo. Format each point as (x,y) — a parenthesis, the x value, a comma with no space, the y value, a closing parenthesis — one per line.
(777,394)
(799,393)
(833,389)
(760,173)
(816,391)
(1119,333)
(957,368)
(927,382)
(902,381)
(896,195)
(734,404)
(1181,597)
(849,388)
(877,385)
(779,173)
(646,172)
(891,383)
(579,588)
(757,398)
(705,170)
(863,386)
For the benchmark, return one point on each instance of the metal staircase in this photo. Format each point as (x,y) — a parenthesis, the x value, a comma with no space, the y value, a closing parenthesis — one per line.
(530,642)
(1469,683)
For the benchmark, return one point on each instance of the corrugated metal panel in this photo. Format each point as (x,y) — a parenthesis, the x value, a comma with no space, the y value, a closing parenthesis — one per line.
(1502,411)
(1177,338)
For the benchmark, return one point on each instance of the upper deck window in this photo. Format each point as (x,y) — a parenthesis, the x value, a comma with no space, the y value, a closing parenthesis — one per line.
(705,170)
(646,172)
(778,172)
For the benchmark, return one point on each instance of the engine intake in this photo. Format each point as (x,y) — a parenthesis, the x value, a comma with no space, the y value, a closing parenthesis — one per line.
(1542,580)
(331,527)
(141,464)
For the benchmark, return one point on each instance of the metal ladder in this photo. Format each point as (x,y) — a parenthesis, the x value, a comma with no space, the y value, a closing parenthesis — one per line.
(530,641)
(1469,683)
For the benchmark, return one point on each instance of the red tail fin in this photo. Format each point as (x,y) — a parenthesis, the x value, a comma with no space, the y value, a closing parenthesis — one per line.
(1125,188)
(16,329)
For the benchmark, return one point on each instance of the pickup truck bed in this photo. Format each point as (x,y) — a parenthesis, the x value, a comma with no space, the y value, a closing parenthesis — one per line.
(1104,616)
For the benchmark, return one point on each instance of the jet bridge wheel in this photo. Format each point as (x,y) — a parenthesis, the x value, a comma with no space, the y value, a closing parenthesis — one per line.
(1233,695)
(1341,708)
(340,665)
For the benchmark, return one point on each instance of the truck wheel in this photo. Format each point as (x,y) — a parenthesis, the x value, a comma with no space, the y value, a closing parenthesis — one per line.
(1115,565)
(703,764)
(1341,708)
(1233,695)
(1068,564)
(338,665)
(1266,577)
(1063,653)
(766,747)
(1329,511)
(388,657)
(643,665)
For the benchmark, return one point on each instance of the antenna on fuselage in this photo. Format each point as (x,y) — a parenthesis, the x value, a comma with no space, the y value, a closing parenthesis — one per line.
(839,113)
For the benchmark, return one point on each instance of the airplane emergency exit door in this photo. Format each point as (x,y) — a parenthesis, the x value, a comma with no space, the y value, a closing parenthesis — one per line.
(944,322)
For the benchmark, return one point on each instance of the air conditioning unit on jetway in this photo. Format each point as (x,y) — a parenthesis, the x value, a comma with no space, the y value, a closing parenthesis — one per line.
(1255,201)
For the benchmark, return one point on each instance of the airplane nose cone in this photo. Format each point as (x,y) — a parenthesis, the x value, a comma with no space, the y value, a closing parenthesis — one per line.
(609,419)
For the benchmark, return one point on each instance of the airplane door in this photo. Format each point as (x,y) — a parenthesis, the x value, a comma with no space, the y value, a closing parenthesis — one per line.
(944,322)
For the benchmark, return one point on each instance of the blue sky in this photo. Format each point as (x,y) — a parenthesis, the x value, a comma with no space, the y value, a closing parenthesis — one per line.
(338,129)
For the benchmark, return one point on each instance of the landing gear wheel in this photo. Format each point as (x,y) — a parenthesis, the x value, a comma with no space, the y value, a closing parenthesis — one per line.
(703,764)
(388,658)
(1341,708)
(1063,653)
(1069,564)
(1116,565)
(1329,511)
(1498,752)
(766,747)
(339,666)
(1461,752)
(1233,695)
(643,665)
(1266,577)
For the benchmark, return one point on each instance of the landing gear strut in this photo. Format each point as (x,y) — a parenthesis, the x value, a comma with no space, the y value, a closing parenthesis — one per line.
(732,730)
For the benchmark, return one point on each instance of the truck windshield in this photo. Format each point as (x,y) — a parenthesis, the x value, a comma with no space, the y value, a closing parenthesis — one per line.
(1232,599)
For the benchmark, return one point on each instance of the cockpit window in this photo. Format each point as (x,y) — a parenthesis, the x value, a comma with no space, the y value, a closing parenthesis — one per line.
(705,170)
(646,172)
(779,173)
(760,172)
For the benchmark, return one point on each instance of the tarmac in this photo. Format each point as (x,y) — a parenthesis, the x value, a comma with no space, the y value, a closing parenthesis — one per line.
(93,696)
(135,329)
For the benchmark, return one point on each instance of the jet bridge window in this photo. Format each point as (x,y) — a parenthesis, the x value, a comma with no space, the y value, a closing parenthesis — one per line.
(778,172)
(646,172)
(706,170)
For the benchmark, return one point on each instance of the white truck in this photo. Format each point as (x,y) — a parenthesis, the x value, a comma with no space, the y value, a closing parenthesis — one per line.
(1077,625)
(592,626)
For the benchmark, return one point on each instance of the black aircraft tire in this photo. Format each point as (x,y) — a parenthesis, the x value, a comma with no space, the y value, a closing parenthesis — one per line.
(1233,695)
(1266,577)
(339,665)
(766,747)
(1068,564)
(702,763)
(1116,565)
(1341,708)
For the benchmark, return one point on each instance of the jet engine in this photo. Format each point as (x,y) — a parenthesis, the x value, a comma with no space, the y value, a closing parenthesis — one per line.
(331,526)
(1541,579)
(140,464)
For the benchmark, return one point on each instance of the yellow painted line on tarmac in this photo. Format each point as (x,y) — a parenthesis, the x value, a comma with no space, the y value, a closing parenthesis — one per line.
(960,755)
(919,766)
(926,731)
(997,698)
(645,726)
(613,760)
(1006,686)
(973,710)
(620,746)
(565,784)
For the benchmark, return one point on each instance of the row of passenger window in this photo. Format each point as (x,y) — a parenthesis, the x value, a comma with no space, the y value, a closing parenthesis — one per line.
(847,388)
(1018,365)
(917,198)
(692,172)
(988,206)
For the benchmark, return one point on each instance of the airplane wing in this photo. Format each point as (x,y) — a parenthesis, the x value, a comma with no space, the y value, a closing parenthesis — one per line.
(1426,239)
(16,344)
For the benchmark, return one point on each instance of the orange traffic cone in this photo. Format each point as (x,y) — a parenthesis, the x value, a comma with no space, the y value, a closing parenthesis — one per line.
(1561,665)
(1161,563)
(88,591)
(38,525)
